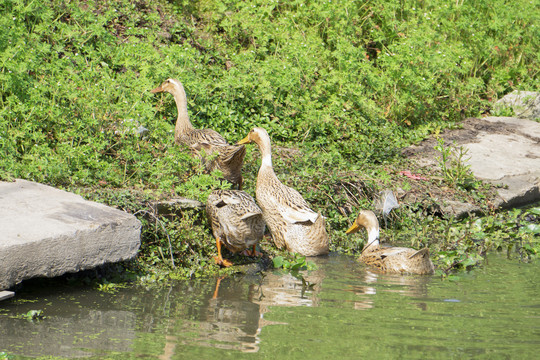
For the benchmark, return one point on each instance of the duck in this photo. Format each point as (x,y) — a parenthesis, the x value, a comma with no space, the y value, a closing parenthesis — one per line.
(230,158)
(237,222)
(293,225)
(396,260)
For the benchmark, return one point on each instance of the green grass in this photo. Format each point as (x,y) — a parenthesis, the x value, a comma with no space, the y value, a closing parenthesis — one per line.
(348,84)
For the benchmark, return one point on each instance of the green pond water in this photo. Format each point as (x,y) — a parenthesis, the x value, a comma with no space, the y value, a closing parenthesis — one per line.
(348,313)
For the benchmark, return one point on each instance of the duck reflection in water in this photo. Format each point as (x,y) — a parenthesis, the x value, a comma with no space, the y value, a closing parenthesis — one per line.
(235,310)
(226,319)
(413,286)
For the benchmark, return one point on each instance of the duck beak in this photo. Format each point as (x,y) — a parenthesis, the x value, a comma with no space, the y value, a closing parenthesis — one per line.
(245,140)
(157,90)
(354,228)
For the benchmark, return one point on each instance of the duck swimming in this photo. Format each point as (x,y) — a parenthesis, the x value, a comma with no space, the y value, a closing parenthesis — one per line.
(292,223)
(399,260)
(230,157)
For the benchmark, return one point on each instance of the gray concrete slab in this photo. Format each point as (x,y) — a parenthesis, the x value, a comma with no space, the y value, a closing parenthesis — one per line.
(48,232)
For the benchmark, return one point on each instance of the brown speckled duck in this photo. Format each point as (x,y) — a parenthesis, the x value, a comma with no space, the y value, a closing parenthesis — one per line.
(292,223)
(237,222)
(230,157)
(389,259)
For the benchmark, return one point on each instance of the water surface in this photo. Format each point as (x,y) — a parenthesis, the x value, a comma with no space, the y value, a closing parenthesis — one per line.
(343,311)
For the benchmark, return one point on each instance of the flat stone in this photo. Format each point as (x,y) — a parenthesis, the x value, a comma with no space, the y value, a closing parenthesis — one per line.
(496,156)
(49,232)
(517,191)
(523,127)
(458,209)
(504,151)
(510,159)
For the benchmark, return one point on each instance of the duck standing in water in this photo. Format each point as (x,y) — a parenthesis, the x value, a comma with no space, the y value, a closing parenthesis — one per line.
(230,158)
(389,259)
(237,222)
(292,223)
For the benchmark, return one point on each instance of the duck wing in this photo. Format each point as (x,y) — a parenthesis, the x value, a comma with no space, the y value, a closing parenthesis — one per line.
(293,207)
(206,139)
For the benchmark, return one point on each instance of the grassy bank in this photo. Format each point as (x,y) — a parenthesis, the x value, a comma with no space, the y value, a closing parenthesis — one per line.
(341,87)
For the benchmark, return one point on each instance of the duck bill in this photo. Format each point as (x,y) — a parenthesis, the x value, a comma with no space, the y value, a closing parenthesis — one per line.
(157,90)
(244,141)
(354,228)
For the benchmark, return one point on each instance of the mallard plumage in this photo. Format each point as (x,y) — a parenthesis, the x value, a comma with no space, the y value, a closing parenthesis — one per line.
(237,221)
(389,259)
(292,223)
(230,157)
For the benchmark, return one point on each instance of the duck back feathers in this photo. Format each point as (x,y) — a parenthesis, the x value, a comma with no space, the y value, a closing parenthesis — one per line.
(235,218)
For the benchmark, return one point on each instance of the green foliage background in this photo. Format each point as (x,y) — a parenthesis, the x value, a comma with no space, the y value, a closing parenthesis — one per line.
(347,83)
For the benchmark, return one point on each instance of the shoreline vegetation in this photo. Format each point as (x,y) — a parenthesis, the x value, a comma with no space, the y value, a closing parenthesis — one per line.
(341,87)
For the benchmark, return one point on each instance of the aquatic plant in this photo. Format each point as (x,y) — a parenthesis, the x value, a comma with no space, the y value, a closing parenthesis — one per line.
(460,244)
(293,262)
(33,315)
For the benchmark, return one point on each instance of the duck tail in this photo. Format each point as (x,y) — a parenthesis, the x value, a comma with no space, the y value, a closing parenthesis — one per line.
(232,154)
(319,245)
(422,252)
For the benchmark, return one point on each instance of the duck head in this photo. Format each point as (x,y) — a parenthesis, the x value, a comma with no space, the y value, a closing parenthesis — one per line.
(368,220)
(260,136)
(257,135)
(169,85)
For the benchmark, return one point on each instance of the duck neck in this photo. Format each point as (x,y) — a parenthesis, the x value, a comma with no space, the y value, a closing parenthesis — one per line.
(373,237)
(266,153)
(183,124)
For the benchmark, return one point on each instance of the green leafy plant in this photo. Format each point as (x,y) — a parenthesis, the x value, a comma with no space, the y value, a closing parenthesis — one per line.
(294,262)
(454,167)
(5,356)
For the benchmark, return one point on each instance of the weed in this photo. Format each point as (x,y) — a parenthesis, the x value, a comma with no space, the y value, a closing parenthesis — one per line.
(453,165)
(33,315)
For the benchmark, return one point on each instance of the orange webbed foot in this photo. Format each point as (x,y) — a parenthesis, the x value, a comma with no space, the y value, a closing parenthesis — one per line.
(222,262)
(252,252)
